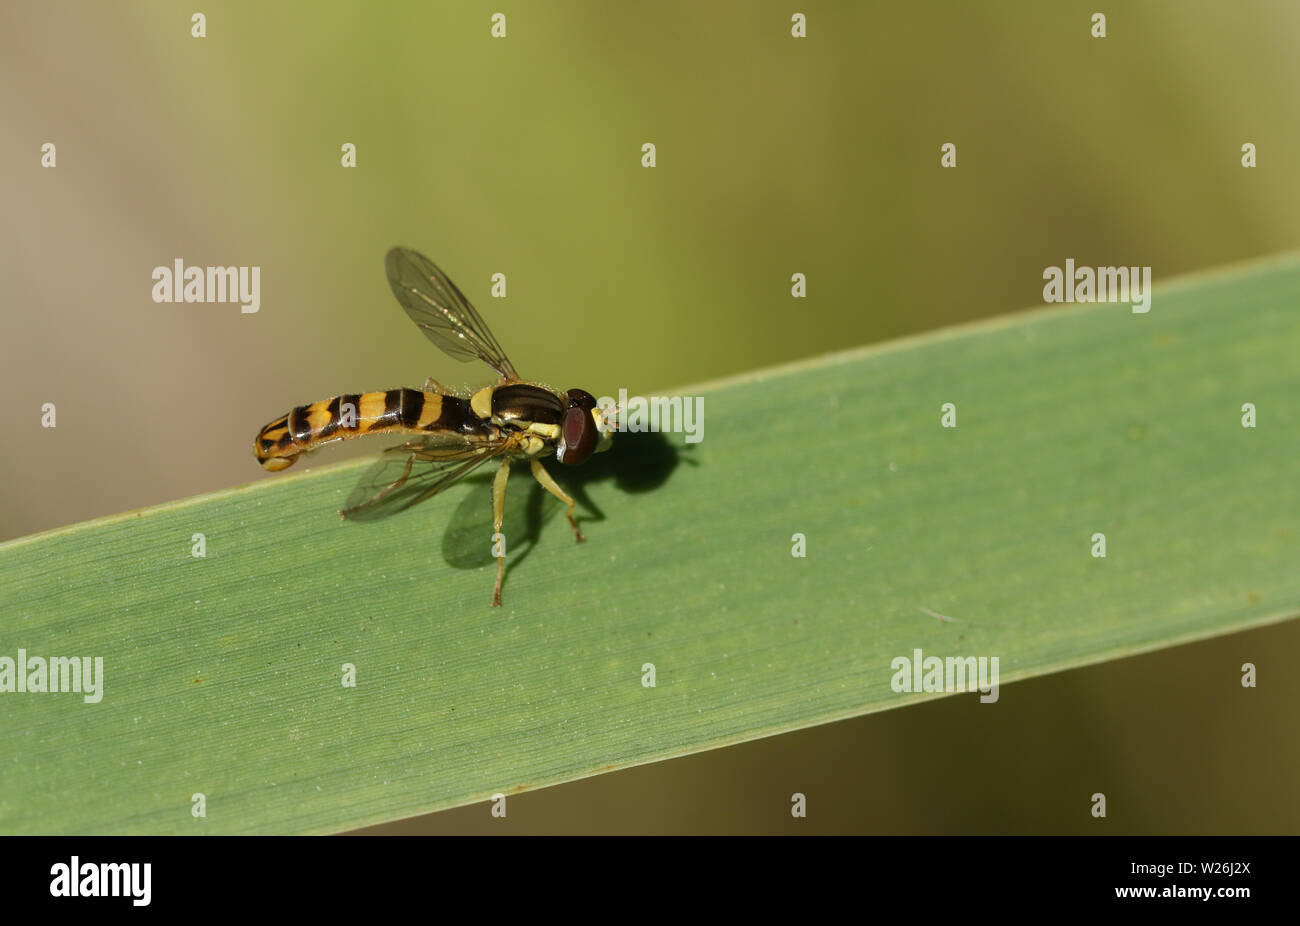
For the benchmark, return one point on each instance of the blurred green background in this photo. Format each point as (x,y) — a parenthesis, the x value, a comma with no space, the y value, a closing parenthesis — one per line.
(522,156)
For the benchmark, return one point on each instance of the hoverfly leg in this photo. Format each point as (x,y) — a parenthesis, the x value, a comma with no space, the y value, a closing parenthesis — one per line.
(432,385)
(383,493)
(498,515)
(550,485)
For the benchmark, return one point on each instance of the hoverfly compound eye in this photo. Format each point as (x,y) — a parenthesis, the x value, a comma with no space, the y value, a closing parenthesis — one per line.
(578,436)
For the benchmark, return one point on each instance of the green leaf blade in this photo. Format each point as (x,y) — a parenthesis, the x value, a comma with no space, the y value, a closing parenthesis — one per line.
(223,674)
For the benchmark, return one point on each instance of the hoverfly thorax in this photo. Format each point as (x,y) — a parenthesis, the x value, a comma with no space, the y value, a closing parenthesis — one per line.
(524,402)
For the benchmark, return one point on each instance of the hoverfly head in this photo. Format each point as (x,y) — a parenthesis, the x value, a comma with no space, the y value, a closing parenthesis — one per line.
(584,430)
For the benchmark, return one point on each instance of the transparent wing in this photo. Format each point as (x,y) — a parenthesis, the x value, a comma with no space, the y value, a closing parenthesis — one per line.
(414,471)
(442,311)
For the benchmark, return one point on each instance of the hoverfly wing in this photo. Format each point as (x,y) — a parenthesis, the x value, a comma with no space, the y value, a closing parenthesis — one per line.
(442,311)
(409,473)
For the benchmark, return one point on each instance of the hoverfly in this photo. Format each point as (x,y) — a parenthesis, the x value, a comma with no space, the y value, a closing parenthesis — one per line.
(451,435)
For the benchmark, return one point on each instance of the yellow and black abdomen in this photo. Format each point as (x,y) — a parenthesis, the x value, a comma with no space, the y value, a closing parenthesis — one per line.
(398,410)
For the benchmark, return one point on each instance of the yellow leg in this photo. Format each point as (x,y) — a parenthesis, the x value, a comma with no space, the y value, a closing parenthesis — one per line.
(432,385)
(550,485)
(498,515)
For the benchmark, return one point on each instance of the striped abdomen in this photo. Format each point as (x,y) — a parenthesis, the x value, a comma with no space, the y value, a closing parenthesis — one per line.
(344,416)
